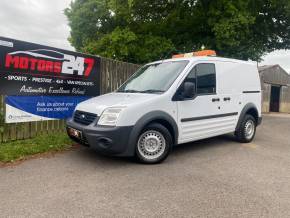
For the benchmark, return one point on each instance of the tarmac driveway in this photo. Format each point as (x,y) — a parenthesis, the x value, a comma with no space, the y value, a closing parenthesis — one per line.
(211,178)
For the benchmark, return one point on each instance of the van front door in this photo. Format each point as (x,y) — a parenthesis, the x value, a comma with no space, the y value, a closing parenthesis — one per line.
(201,117)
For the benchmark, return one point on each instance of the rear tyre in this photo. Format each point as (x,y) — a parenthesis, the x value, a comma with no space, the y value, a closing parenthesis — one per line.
(247,129)
(154,144)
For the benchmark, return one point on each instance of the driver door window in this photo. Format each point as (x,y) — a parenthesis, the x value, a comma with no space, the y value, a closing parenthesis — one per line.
(204,78)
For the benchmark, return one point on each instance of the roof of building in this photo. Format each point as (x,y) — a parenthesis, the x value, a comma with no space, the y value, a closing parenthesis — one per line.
(274,74)
(264,67)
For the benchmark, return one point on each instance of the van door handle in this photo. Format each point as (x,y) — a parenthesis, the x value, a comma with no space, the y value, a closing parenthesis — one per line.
(227,99)
(215,99)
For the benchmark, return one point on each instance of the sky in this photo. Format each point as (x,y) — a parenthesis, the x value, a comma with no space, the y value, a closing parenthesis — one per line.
(281,57)
(44,22)
(38,21)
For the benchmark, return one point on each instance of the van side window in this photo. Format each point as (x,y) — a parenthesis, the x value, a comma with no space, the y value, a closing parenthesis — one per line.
(206,78)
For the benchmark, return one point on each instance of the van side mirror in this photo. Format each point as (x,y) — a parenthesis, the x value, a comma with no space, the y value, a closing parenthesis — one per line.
(188,90)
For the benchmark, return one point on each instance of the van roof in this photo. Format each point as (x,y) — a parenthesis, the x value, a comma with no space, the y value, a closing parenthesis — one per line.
(207,58)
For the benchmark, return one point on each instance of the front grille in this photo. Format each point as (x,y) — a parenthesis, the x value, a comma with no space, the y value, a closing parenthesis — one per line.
(84,118)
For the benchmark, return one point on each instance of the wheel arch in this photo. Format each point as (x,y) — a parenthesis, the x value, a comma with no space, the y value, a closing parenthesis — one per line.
(251,109)
(168,125)
(160,117)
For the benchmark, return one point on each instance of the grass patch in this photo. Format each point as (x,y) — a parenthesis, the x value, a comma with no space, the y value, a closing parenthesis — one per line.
(20,149)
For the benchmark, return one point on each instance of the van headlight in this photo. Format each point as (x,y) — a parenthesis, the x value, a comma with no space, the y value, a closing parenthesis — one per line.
(110,116)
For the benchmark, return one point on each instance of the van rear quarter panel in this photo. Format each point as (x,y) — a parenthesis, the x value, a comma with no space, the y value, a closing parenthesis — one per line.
(236,78)
(252,83)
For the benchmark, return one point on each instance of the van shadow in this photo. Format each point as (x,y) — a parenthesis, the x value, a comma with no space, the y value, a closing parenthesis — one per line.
(205,144)
(89,155)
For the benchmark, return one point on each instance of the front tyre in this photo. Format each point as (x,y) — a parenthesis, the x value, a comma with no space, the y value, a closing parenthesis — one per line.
(154,144)
(247,129)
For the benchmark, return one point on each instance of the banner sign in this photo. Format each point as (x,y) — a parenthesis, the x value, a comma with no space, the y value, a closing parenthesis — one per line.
(32,69)
(44,83)
(37,108)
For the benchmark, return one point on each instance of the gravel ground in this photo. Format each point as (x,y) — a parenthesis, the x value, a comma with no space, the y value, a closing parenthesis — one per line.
(217,177)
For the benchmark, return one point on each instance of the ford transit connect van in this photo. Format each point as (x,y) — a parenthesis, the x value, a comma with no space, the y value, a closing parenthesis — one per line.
(171,102)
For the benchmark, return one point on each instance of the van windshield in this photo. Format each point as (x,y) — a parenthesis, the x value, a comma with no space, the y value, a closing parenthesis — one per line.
(154,78)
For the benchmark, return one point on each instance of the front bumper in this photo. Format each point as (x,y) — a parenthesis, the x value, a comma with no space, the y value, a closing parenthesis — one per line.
(107,140)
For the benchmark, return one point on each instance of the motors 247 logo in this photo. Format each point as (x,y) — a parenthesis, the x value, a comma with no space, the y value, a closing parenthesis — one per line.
(49,62)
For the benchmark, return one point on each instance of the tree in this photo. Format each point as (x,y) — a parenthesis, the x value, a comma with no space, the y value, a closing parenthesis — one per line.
(144,30)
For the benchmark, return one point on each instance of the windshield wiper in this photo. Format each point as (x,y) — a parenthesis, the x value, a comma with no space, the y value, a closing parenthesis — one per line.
(143,91)
(129,91)
(152,91)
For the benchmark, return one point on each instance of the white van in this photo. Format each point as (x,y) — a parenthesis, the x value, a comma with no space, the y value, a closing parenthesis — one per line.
(171,102)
